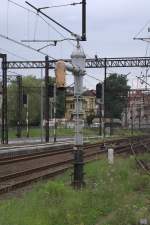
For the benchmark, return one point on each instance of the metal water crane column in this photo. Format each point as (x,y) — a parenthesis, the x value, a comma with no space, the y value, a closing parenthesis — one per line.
(78,60)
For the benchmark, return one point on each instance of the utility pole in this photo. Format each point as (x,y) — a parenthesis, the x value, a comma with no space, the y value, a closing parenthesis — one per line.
(103,96)
(126,112)
(27,116)
(100,118)
(83,20)
(46,100)
(78,59)
(55,127)
(132,120)
(41,105)
(103,110)
(4,138)
(139,117)
(19,105)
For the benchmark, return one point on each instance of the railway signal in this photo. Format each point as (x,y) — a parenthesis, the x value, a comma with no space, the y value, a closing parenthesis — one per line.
(51,90)
(77,67)
(60,73)
(99,90)
(24,99)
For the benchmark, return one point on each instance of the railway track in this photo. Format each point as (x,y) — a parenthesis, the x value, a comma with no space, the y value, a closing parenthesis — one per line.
(144,165)
(18,171)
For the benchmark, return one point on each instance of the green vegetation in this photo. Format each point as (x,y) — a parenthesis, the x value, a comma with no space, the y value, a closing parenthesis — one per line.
(115,99)
(35,132)
(32,88)
(61,132)
(116,93)
(114,195)
(127,132)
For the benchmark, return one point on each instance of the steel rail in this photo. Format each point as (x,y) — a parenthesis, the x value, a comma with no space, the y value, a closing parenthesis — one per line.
(31,175)
(139,162)
(45,150)
(58,168)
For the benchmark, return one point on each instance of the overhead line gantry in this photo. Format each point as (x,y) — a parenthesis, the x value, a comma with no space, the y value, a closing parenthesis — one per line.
(90,63)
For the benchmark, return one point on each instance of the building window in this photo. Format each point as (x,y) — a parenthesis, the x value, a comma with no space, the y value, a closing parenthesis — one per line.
(72,106)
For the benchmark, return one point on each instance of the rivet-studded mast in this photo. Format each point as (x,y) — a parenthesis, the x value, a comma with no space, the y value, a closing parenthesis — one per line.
(78,59)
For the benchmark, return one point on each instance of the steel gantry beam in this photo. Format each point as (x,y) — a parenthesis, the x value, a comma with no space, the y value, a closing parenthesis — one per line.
(50,64)
(90,63)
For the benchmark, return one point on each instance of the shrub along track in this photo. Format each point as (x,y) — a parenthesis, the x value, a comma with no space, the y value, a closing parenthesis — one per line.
(19,171)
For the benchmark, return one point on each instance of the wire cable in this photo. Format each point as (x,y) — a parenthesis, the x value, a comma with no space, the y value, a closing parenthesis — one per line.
(21,6)
(58,32)
(28,25)
(15,74)
(93,77)
(35,26)
(7,25)
(24,45)
(63,5)
(31,11)
(13,54)
(142,29)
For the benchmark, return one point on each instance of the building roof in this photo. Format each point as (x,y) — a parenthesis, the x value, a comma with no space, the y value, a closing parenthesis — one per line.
(89,93)
(70,92)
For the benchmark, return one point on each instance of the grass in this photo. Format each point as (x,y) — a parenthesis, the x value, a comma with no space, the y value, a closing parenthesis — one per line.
(127,132)
(35,132)
(114,195)
(61,132)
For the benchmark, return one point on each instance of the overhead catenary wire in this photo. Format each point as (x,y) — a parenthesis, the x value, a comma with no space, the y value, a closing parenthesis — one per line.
(63,5)
(28,25)
(58,32)
(45,46)
(36,26)
(26,46)
(140,31)
(147,40)
(51,19)
(7,19)
(21,6)
(15,73)
(13,54)
(93,77)
(143,80)
(51,26)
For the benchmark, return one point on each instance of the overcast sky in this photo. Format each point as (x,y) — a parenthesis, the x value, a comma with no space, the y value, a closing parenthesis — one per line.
(111,26)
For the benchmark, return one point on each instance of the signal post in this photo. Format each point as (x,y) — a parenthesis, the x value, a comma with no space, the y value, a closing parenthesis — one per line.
(77,67)
(78,59)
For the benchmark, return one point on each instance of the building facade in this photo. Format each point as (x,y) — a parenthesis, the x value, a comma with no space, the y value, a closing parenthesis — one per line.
(89,103)
(137,112)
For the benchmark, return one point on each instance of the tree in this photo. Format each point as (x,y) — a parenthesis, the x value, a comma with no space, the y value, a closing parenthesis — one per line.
(116,92)
(31,87)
